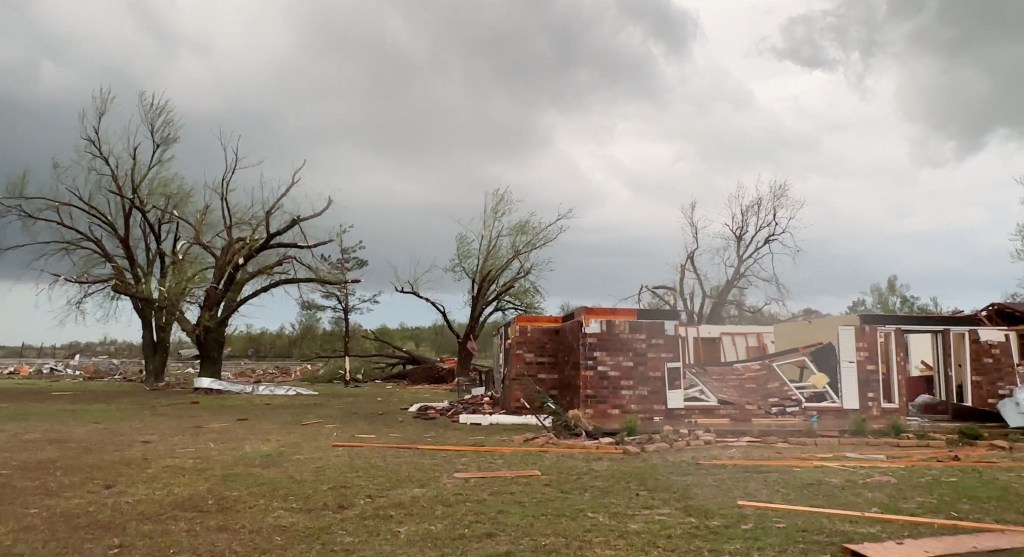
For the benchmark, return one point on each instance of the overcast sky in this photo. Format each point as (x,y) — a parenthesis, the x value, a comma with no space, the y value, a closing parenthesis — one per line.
(900,122)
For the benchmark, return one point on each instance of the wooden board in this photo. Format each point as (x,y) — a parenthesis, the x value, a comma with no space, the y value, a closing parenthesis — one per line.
(889,517)
(461,448)
(967,544)
(863,464)
(498,474)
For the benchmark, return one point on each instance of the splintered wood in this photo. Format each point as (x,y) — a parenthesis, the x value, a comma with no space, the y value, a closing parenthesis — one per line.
(497,474)
(938,546)
(888,517)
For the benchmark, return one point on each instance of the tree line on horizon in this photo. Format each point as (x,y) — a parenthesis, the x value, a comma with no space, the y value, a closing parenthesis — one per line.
(117,225)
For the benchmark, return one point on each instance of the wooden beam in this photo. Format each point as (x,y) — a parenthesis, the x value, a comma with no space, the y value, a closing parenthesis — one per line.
(461,448)
(939,545)
(898,464)
(498,474)
(888,517)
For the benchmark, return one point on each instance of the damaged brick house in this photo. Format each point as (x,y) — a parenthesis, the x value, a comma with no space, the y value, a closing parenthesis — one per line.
(617,363)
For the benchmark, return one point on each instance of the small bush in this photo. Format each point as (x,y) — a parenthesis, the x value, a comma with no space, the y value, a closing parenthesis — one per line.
(970,433)
(894,428)
(630,427)
(858,426)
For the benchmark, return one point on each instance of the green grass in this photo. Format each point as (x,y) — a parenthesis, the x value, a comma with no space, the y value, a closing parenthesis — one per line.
(115,469)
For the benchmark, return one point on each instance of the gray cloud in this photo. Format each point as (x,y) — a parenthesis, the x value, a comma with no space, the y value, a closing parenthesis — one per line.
(407,112)
(952,62)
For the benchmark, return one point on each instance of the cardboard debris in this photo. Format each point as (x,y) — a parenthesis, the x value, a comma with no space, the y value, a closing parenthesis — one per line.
(984,542)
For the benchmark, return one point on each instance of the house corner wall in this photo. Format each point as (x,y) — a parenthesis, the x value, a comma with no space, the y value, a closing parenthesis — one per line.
(993,375)
(534,357)
(623,370)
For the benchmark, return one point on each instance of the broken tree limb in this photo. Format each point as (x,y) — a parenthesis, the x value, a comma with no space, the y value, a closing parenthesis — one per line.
(880,516)
(461,448)
(498,474)
(408,354)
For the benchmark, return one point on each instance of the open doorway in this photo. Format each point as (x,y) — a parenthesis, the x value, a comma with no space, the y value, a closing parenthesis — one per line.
(924,363)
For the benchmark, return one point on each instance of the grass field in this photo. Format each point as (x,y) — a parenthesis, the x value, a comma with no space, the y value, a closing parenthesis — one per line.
(113,469)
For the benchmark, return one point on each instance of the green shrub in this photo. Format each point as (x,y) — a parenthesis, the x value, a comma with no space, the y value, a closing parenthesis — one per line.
(630,427)
(970,433)
(858,426)
(894,428)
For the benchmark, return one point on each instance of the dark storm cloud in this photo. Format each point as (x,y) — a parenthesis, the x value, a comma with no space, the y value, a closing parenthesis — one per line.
(954,63)
(406,111)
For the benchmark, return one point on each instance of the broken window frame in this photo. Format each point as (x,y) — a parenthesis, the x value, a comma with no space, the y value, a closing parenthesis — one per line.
(804,386)
(894,375)
(683,376)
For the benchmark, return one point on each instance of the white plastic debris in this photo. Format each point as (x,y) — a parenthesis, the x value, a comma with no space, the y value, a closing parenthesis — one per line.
(256,389)
(502,419)
(1012,408)
(418,405)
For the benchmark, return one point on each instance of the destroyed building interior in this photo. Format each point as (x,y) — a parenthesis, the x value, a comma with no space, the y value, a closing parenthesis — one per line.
(613,363)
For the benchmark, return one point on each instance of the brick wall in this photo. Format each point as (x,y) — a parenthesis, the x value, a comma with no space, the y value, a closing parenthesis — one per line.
(535,355)
(869,383)
(623,372)
(753,389)
(992,371)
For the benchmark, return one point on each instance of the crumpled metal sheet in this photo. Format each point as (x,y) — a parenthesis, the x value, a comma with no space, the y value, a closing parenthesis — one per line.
(256,389)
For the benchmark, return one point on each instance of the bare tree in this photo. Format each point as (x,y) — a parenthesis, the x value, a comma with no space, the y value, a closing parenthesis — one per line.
(499,258)
(730,257)
(343,301)
(251,242)
(105,227)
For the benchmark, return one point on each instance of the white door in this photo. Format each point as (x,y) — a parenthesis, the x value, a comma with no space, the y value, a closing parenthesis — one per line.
(849,387)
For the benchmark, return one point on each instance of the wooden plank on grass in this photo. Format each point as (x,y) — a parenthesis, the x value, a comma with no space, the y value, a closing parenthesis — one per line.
(966,544)
(462,448)
(311,422)
(879,516)
(896,464)
(498,474)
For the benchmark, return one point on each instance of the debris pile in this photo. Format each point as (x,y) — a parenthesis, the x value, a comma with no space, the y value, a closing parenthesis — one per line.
(274,374)
(435,372)
(669,438)
(94,368)
(479,403)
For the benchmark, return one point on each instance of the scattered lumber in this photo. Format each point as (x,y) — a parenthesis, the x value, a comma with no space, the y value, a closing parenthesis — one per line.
(939,545)
(311,422)
(880,516)
(498,474)
(463,448)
